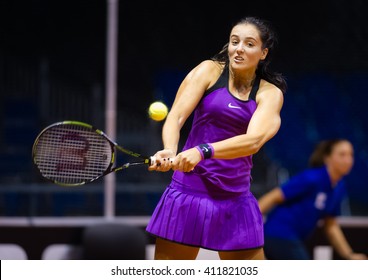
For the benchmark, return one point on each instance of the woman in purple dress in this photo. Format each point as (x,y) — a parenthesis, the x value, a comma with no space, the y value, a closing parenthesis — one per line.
(236,101)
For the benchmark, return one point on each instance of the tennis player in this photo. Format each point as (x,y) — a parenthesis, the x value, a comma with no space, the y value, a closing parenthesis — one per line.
(236,100)
(293,210)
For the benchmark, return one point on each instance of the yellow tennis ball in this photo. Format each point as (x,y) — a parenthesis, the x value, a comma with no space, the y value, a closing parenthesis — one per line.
(158,111)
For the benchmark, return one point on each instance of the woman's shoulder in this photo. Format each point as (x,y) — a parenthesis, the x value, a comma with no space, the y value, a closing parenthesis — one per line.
(268,92)
(211,65)
(208,71)
(315,175)
(267,86)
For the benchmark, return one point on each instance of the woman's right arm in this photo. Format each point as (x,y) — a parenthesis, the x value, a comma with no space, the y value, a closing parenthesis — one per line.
(270,200)
(338,240)
(190,92)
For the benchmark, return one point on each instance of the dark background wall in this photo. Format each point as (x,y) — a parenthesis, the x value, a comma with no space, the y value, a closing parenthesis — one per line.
(56,48)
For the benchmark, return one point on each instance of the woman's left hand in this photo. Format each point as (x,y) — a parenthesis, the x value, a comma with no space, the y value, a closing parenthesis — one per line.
(186,160)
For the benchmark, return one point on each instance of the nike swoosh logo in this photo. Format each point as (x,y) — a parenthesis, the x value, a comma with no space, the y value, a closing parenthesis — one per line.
(232,106)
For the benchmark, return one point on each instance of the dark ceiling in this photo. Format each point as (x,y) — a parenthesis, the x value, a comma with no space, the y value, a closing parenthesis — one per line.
(314,35)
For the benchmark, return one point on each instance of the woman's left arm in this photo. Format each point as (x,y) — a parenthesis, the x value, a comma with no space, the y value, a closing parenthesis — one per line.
(338,241)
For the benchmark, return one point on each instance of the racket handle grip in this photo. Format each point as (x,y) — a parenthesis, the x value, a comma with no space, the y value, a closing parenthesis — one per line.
(152,160)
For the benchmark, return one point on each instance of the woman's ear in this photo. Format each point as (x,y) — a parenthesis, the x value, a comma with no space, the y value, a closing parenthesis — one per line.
(264,53)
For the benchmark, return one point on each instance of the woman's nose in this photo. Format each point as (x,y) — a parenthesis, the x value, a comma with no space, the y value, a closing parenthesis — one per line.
(240,48)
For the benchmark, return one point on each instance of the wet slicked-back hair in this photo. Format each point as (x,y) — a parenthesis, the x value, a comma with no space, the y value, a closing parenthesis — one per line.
(269,41)
(322,150)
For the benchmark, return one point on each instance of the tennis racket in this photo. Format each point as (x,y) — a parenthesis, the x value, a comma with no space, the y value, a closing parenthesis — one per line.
(73,153)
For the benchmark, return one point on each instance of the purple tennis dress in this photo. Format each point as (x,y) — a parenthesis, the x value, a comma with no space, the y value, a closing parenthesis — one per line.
(212,206)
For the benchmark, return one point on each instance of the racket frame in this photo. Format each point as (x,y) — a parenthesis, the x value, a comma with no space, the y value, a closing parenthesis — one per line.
(144,160)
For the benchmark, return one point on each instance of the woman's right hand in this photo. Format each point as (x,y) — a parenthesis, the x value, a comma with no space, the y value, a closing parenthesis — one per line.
(162,161)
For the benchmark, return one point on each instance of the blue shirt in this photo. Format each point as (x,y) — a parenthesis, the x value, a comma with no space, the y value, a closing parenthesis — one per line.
(309,196)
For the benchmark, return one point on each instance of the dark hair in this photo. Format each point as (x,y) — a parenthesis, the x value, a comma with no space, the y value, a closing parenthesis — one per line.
(322,150)
(269,41)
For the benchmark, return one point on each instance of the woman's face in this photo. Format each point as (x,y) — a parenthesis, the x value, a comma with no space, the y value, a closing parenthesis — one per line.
(341,159)
(245,47)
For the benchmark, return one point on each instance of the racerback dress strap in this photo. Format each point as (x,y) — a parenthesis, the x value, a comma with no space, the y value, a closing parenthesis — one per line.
(221,82)
(255,87)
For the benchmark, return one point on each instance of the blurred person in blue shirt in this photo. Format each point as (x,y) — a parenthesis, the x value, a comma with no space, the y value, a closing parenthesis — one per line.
(292,211)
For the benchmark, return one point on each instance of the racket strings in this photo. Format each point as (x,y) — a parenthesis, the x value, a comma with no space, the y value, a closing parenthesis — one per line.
(72,154)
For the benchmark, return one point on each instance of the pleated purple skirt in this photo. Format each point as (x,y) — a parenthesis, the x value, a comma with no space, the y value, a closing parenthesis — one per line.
(221,221)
